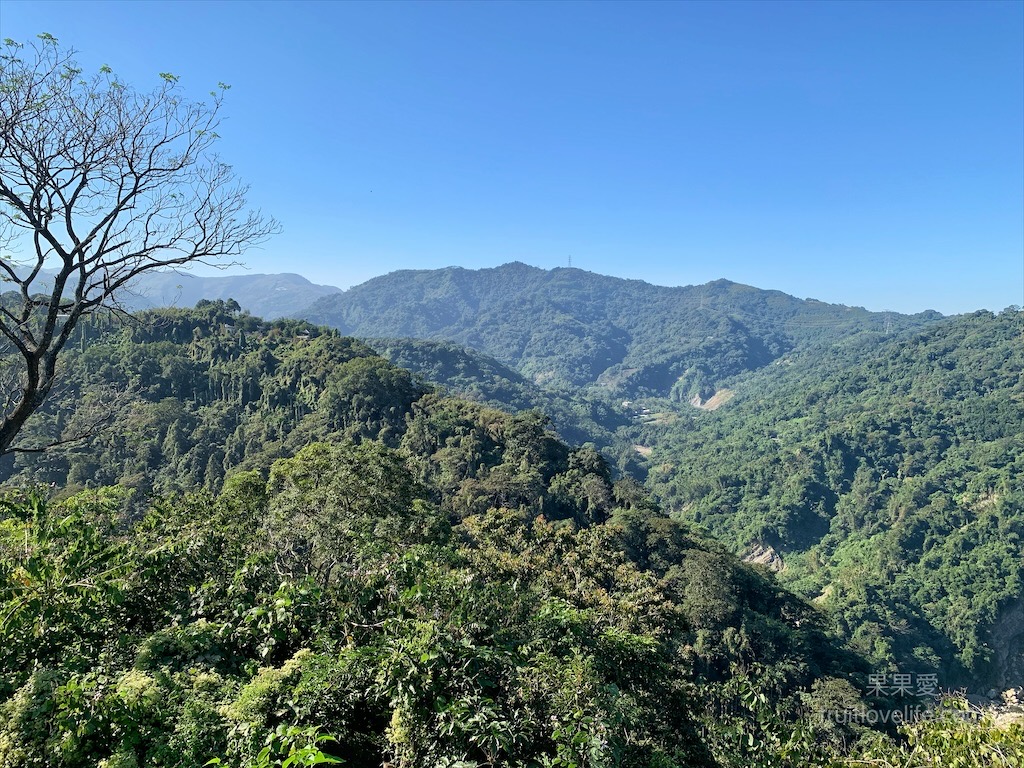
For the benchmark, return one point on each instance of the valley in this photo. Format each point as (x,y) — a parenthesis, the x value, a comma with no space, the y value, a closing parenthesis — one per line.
(760,503)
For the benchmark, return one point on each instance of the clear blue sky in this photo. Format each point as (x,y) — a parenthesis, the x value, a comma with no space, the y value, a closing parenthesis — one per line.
(864,153)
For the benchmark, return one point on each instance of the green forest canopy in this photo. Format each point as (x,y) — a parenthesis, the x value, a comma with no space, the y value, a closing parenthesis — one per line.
(282,537)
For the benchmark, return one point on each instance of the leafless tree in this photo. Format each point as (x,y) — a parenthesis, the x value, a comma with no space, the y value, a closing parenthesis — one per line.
(99,183)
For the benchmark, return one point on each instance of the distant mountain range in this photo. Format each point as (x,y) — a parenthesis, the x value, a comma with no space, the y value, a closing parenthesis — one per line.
(268,296)
(572,327)
(566,327)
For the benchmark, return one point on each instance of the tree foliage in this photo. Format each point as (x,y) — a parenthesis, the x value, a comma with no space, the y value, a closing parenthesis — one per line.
(888,474)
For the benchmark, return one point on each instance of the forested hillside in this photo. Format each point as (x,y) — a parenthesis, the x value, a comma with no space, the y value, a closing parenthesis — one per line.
(186,395)
(282,545)
(278,545)
(889,474)
(475,376)
(568,326)
(874,459)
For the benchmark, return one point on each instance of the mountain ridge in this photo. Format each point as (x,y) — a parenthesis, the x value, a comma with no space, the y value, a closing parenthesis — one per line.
(574,327)
(270,295)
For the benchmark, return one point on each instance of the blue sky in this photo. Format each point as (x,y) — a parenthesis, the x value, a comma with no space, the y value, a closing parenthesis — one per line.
(863,153)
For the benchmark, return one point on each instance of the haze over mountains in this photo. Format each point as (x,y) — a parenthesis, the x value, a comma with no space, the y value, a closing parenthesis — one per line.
(270,296)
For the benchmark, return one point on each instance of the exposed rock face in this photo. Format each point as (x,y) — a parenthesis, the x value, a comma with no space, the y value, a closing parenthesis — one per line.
(713,403)
(1005,709)
(1007,642)
(766,556)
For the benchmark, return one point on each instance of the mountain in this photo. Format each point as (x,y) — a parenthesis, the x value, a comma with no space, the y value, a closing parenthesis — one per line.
(873,459)
(572,327)
(270,296)
(878,475)
(278,542)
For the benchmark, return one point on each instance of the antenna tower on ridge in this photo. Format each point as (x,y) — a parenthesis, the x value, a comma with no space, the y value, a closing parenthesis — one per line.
(570,261)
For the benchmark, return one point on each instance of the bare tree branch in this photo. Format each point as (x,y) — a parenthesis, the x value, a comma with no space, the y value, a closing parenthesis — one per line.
(101,183)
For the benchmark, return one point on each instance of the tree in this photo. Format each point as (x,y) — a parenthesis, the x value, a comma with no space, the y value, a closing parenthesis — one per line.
(99,183)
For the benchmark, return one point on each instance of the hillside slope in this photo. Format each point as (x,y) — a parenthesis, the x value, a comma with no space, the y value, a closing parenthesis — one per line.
(888,474)
(877,472)
(480,378)
(302,537)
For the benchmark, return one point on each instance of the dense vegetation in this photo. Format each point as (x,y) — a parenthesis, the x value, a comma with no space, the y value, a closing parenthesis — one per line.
(192,394)
(280,546)
(339,594)
(876,457)
(439,582)
(478,377)
(888,471)
(334,610)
